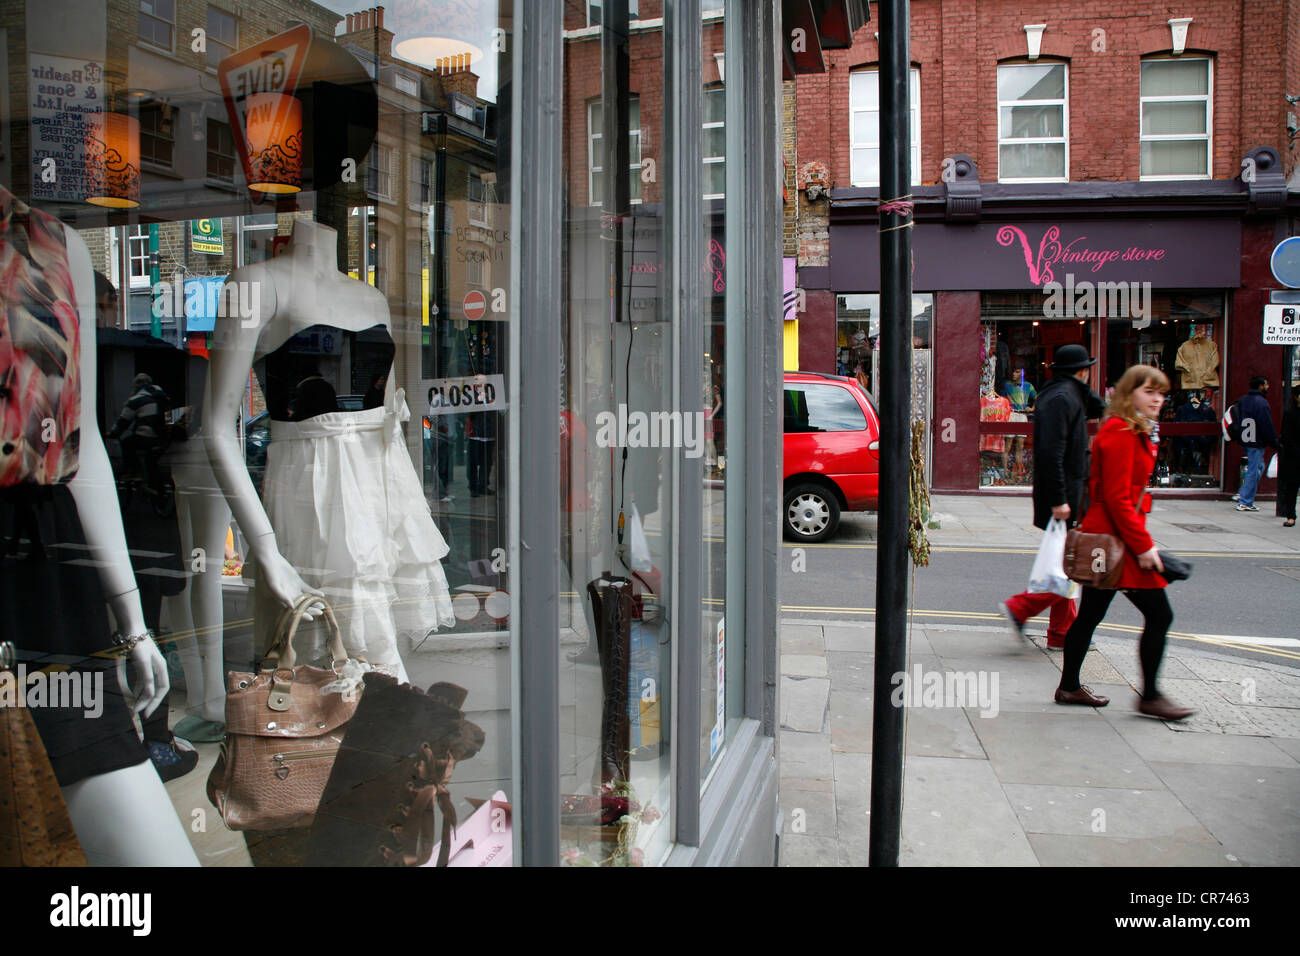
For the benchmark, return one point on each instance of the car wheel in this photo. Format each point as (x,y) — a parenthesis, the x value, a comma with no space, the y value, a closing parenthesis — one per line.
(811,513)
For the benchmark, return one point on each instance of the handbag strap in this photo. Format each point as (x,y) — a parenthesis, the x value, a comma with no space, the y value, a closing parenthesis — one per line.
(280,659)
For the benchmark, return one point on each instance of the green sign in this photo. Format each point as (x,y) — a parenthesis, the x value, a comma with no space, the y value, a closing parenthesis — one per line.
(205,236)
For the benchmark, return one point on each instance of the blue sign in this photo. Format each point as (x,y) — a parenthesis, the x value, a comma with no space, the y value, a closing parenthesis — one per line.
(203,302)
(1286,262)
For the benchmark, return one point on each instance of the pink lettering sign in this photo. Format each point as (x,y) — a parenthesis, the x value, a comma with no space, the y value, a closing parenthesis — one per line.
(1052,252)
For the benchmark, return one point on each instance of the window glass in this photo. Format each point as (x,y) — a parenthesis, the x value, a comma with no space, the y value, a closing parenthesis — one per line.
(1033,122)
(864,126)
(358,446)
(822,408)
(1175,121)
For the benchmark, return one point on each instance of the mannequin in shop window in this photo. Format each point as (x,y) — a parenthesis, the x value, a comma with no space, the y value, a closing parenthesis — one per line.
(1198,360)
(58,508)
(1022,394)
(344,511)
(994,408)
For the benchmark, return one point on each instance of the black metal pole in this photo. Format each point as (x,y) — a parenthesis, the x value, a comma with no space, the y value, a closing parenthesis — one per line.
(895,442)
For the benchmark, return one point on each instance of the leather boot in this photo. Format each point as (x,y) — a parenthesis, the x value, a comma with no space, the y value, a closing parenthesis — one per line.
(611,599)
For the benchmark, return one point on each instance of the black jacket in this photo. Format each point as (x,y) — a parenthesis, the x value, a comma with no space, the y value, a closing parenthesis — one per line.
(1061,454)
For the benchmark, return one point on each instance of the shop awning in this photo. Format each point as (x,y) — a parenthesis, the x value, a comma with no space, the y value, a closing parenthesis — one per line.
(811,26)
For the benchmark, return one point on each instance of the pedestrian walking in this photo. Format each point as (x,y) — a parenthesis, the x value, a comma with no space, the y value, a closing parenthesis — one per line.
(1123,458)
(1061,412)
(1288,466)
(1257,434)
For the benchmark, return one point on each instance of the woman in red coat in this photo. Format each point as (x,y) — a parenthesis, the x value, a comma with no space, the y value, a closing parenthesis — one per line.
(1123,457)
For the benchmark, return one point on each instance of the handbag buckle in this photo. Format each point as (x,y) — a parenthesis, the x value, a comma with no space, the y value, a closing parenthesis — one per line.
(281,698)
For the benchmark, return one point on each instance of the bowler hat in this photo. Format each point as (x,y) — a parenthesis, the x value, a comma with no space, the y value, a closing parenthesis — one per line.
(1071,358)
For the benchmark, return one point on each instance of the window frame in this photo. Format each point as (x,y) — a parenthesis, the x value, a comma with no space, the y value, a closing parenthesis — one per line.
(713,124)
(632,13)
(171,25)
(914,110)
(594,137)
(232,47)
(233,157)
(151,109)
(1208,136)
(376,169)
(137,233)
(1063,139)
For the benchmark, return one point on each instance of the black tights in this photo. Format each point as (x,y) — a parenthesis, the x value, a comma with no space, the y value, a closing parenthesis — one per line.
(1156,618)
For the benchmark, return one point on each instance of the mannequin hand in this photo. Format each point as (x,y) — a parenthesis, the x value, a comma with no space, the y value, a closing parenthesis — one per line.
(1150,560)
(1061,511)
(151,683)
(283,581)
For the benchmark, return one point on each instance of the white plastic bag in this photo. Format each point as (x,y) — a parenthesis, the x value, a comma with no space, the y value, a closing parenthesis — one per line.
(640,548)
(1048,573)
(1272,468)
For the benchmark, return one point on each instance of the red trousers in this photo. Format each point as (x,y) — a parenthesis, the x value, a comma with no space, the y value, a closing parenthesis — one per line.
(1030,604)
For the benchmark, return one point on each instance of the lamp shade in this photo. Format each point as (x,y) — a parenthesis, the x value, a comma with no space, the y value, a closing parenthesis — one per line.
(273,132)
(112,158)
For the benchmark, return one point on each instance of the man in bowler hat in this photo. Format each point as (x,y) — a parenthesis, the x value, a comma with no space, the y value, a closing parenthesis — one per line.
(1061,457)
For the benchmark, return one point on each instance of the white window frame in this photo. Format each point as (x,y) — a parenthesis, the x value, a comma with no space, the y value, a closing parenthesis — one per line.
(593,151)
(1207,98)
(476,200)
(212,68)
(172,23)
(137,254)
(716,160)
(914,90)
(1063,139)
(421,193)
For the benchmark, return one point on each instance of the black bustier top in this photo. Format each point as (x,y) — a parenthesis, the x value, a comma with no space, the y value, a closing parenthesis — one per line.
(291,375)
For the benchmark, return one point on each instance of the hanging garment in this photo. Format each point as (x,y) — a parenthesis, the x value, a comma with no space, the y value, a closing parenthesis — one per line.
(349,514)
(1198,361)
(40,333)
(996,408)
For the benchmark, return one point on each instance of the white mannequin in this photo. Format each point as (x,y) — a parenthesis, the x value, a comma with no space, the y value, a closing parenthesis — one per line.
(124,817)
(298,289)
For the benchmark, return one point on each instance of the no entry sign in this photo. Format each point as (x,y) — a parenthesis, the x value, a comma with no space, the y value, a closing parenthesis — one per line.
(475,305)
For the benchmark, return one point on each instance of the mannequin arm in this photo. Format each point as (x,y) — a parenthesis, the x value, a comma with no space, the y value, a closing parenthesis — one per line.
(232,358)
(95,493)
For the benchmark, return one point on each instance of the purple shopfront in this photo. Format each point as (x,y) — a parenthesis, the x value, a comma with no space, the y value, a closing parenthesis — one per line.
(996,298)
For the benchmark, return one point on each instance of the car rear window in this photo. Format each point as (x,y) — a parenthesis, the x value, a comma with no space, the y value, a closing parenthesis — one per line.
(822,408)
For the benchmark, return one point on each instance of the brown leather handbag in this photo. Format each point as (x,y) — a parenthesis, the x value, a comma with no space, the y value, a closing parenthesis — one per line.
(283,732)
(1094,559)
(34,826)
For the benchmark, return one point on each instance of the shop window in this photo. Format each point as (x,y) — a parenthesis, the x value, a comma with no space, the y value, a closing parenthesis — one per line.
(858,329)
(715,143)
(596,180)
(864,126)
(379,175)
(594,12)
(223,36)
(221,152)
(157,22)
(1033,123)
(1176,118)
(157,136)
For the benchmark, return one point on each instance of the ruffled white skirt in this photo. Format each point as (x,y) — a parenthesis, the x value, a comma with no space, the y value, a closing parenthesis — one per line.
(349,514)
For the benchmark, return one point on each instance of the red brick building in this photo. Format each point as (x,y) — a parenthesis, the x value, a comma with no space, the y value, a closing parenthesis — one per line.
(1138,148)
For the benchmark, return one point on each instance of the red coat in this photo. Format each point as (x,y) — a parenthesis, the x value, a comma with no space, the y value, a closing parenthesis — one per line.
(1122,462)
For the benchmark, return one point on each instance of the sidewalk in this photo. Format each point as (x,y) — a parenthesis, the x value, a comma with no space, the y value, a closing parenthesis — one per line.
(1039,784)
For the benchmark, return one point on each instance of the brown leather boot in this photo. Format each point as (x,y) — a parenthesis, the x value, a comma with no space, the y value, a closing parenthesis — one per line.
(1162,708)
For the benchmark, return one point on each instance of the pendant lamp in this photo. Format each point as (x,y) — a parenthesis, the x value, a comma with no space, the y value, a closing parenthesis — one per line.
(273,132)
(112,157)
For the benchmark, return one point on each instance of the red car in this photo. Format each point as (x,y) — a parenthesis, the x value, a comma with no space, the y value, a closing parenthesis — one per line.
(832,453)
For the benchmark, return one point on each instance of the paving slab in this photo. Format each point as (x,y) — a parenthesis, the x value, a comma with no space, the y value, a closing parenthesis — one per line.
(1158,740)
(846,637)
(1056,850)
(1076,747)
(806,850)
(851,670)
(808,812)
(805,755)
(956,814)
(1108,812)
(1213,714)
(803,665)
(1288,745)
(1253,811)
(802,639)
(1024,685)
(815,784)
(803,703)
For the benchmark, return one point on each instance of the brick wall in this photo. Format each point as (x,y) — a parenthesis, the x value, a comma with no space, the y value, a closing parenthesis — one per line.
(957,44)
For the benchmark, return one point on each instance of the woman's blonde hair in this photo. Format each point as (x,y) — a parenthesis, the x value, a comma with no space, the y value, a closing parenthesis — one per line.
(1121,400)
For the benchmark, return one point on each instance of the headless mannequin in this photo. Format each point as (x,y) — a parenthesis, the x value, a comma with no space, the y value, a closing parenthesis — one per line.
(124,817)
(297,289)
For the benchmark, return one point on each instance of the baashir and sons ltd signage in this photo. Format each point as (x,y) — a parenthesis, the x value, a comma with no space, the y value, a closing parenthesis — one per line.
(1172,254)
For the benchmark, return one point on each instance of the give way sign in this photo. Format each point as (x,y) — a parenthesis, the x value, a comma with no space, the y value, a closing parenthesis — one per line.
(272,66)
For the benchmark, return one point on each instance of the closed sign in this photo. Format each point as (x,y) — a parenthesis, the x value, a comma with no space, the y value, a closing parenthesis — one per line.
(473,393)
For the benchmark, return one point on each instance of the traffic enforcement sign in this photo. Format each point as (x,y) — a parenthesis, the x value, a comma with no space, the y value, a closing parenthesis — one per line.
(1286,262)
(475,305)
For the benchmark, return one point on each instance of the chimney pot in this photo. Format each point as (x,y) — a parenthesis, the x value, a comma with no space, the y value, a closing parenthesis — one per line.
(380,13)
(349,27)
